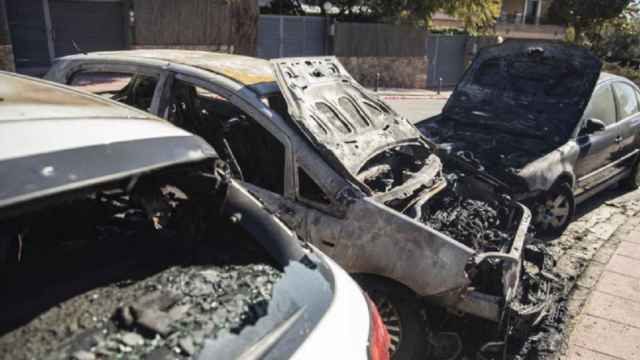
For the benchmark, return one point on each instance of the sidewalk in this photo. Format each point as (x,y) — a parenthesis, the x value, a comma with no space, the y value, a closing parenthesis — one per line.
(608,326)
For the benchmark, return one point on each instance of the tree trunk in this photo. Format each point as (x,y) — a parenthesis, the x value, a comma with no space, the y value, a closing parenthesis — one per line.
(578,29)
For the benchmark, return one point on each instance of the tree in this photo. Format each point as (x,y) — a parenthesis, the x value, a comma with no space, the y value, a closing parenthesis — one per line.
(478,15)
(618,39)
(584,14)
(281,7)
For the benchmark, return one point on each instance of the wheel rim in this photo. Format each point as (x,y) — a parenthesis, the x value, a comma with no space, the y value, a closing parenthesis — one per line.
(554,212)
(391,319)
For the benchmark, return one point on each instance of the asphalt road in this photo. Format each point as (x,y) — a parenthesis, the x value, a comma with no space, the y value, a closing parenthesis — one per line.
(417,109)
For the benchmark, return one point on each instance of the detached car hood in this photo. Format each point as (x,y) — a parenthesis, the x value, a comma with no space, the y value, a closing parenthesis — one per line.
(540,89)
(336,114)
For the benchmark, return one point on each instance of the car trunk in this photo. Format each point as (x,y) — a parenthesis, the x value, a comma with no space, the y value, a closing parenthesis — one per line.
(172,265)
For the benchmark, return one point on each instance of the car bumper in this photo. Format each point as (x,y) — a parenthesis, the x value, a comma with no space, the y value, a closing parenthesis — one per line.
(492,307)
(343,332)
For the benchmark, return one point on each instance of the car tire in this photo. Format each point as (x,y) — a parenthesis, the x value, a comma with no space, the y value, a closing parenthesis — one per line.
(554,210)
(633,181)
(403,314)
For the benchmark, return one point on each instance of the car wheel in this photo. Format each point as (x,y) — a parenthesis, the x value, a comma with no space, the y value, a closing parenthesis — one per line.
(633,181)
(555,210)
(403,315)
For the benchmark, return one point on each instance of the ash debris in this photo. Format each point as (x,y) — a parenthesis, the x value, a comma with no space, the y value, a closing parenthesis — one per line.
(544,290)
(479,224)
(169,315)
(165,316)
(473,222)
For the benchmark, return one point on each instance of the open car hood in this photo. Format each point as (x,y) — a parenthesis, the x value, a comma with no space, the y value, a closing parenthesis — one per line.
(336,114)
(535,88)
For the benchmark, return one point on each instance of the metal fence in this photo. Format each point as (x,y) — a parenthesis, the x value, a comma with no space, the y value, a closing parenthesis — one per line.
(197,22)
(446,58)
(378,40)
(287,36)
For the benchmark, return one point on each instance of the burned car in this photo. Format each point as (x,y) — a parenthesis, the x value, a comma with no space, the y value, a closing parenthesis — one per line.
(342,169)
(122,236)
(541,119)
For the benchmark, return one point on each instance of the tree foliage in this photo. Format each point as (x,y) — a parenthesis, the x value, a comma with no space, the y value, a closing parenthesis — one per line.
(584,14)
(478,15)
(617,39)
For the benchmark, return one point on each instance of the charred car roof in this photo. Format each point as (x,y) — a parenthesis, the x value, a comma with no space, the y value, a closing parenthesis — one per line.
(24,98)
(245,70)
(539,88)
(54,139)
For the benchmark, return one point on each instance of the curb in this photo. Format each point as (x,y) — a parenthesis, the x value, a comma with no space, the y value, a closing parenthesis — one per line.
(412,97)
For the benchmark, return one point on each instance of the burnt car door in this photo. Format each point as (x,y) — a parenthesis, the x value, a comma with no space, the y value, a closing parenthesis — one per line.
(257,152)
(628,107)
(598,145)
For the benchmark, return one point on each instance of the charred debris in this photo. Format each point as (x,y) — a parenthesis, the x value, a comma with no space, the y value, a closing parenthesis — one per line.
(148,268)
(451,201)
(486,148)
(477,212)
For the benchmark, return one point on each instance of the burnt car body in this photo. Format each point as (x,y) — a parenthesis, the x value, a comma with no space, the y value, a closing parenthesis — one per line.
(342,169)
(541,119)
(123,236)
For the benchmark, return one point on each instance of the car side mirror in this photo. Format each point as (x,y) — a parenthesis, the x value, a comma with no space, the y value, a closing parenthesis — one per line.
(592,126)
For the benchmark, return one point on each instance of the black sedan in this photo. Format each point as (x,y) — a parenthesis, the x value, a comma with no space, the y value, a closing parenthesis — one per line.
(544,122)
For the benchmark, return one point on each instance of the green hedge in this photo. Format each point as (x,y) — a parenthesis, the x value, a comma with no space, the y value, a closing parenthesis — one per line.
(630,73)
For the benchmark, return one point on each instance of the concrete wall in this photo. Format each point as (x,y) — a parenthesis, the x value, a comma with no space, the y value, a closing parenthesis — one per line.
(395,72)
(519,31)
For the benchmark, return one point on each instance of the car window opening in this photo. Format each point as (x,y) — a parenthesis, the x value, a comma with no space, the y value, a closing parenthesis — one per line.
(627,102)
(310,190)
(132,89)
(254,154)
(602,106)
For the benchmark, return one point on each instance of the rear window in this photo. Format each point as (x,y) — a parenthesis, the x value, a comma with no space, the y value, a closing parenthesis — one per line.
(100,82)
